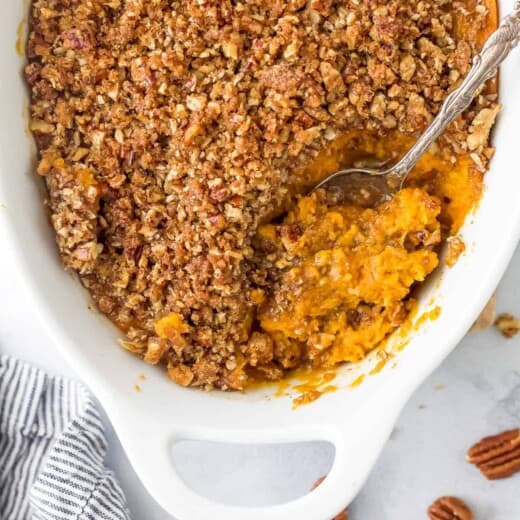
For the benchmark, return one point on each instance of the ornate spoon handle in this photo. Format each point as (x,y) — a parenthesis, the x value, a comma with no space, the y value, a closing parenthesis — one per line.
(485,65)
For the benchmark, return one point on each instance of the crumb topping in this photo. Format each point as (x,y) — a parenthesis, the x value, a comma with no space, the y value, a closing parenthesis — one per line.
(169,130)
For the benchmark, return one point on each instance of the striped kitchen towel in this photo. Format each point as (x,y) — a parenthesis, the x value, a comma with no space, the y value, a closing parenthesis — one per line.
(52,447)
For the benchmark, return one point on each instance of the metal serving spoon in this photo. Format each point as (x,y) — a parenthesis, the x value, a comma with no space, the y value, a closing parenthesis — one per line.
(369,187)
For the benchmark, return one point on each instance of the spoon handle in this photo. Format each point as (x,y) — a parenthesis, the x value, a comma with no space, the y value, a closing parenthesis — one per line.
(485,65)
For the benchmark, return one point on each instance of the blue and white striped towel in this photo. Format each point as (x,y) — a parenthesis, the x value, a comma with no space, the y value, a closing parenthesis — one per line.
(52,446)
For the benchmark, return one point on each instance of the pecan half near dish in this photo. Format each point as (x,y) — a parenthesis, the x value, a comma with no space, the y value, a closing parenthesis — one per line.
(497,456)
(449,508)
(340,516)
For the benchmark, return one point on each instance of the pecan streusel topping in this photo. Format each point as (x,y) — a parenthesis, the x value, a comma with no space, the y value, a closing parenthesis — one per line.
(169,130)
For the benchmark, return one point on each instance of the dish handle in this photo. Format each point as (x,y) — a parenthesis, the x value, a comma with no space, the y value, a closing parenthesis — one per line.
(356,451)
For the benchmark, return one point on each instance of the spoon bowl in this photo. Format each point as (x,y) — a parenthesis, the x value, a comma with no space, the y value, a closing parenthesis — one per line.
(366,188)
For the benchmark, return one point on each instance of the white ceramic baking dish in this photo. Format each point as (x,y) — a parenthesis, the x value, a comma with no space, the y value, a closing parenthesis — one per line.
(357,420)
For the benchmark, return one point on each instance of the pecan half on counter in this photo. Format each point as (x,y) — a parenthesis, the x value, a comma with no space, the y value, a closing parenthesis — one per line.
(497,456)
(449,508)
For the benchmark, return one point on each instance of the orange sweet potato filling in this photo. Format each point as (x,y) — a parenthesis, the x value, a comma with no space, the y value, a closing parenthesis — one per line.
(351,270)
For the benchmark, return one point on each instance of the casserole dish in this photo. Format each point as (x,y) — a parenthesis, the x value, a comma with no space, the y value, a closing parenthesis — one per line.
(357,421)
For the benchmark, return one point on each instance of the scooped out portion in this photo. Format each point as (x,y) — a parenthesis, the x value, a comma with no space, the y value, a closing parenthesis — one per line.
(346,274)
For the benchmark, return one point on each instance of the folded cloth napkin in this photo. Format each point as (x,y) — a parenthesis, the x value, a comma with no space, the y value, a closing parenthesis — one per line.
(52,447)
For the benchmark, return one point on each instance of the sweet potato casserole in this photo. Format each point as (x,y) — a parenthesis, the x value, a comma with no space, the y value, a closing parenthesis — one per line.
(178,138)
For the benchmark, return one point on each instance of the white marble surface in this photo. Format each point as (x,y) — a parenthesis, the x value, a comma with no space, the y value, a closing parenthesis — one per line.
(475,392)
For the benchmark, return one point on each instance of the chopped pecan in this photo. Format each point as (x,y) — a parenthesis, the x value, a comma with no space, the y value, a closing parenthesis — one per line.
(481,127)
(497,456)
(322,6)
(131,346)
(180,374)
(449,508)
(38,125)
(155,350)
(260,349)
(407,67)
(332,78)
(455,248)
(508,325)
